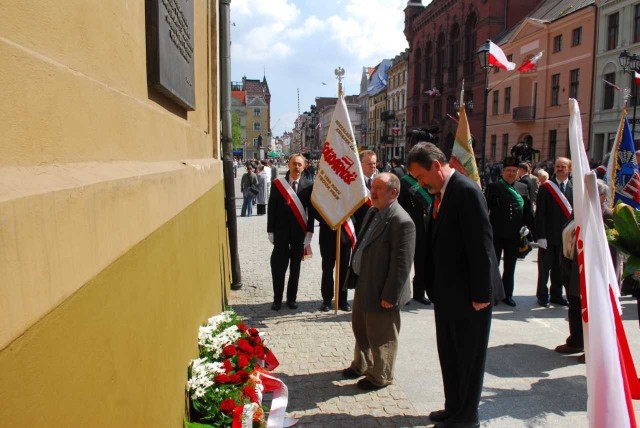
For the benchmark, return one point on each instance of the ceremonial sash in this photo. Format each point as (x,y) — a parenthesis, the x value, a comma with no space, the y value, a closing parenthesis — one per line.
(351,232)
(559,197)
(293,201)
(417,191)
(514,193)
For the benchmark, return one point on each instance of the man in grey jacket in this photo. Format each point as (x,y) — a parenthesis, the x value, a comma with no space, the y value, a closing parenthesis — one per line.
(380,269)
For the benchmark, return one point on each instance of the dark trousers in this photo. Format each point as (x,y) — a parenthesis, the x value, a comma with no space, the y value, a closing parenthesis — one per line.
(462,350)
(328,253)
(510,249)
(549,262)
(576,338)
(262,209)
(419,261)
(287,252)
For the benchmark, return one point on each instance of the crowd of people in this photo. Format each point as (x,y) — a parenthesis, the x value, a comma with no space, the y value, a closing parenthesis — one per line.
(453,232)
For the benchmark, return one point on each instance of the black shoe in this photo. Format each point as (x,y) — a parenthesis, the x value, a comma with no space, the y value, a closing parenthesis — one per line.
(509,301)
(292,305)
(345,307)
(325,307)
(559,301)
(439,415)
(350,373)
(366,385)
(422,300)
(496,302)
(458,424)
(276,306)
(543,302)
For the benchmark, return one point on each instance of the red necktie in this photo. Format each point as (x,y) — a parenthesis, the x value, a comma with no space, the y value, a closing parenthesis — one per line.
(436,205)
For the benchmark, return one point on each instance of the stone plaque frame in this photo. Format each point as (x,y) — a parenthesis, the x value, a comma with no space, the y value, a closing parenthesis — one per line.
(170,49)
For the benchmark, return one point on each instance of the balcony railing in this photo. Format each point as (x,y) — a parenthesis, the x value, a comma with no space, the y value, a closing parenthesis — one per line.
(387,115)
(524,114)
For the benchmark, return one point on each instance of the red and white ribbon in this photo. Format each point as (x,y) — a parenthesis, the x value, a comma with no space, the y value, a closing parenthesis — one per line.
(277,418)
(243,416)
(559,197)
(292,200)
(351,232)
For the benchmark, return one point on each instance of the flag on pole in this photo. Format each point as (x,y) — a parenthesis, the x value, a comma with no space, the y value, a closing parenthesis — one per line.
(622,171)
(636,77)
(613,85)
(530,64)
(498,58)
(462,157)
(611,376)
(339,187)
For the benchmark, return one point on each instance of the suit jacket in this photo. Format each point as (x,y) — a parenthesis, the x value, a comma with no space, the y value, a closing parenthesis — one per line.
(550,218)
(418,210)
(505,214)
(280,218)
(386,261)
(358,216)
(532,186)
(461,258)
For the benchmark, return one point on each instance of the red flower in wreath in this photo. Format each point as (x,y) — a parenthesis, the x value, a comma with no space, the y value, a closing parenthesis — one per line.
(229,351)
(227,406)
(250,392)
(256,340)
(222,378)
(243,361)
(242,327)
(245,346)
(228,367)
(239,377)
(258,351)
(253,332)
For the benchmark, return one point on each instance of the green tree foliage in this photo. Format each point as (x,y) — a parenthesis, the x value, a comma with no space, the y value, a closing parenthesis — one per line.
(236,131)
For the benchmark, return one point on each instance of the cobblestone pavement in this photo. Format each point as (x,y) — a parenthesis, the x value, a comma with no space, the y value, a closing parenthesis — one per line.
(526,383)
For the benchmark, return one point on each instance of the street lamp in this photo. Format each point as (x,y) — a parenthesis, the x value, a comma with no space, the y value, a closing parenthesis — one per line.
(630,63)
(483,57)
(468,105)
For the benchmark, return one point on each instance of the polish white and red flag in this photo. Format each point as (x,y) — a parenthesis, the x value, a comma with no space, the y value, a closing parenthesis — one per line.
(530,64)
(636,77)
(339,188)
(612,381)
(498,58)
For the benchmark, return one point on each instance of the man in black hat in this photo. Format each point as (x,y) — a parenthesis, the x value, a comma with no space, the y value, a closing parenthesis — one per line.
(509,211)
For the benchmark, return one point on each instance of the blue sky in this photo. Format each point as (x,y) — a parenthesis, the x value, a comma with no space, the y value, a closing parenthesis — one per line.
(299,43)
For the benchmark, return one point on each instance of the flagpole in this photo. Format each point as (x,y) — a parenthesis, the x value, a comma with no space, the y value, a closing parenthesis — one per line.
(339,72)
(336,282)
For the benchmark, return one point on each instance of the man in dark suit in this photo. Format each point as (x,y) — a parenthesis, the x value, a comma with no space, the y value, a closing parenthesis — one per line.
(462,273)
(509,210)
(368,162)
(417,203)
(380,265)
(553,210)
(289,229)
(525,177)
(327,241)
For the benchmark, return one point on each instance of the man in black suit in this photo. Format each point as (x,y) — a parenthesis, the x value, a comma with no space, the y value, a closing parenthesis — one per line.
(553,210)
(462,273)
(327,241)
(509,210)
(417,203)
(289,229)
(525,177)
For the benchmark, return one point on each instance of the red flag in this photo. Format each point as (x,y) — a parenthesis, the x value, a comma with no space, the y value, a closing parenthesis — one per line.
(530,64)
(611,376)
(498,58)
(636,77)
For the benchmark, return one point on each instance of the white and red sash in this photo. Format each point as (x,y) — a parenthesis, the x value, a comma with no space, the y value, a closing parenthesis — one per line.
(351,232)
(293,201)
(559,197)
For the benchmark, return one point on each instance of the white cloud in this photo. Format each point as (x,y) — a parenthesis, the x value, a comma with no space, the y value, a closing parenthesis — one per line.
(369,29)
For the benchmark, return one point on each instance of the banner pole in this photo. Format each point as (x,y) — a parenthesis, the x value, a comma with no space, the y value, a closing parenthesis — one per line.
(336,282)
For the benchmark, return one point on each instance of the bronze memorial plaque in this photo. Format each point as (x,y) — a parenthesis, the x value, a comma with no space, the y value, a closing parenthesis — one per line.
(170,49)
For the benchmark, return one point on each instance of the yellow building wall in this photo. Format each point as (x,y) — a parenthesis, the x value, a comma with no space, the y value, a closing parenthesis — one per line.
(112,225)
(115,354)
